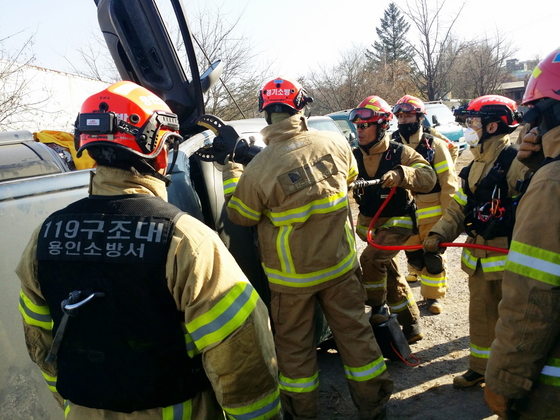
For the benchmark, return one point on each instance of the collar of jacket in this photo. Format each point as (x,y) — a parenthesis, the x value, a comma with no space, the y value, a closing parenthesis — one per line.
(115,181)
(551,142)
(379,148)
(285,129)
(491,147)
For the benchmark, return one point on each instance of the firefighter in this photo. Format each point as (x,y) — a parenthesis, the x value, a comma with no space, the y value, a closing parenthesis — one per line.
(397,166)
(430,268)
(523,372)
(295,191)
(131,308)
(484,207)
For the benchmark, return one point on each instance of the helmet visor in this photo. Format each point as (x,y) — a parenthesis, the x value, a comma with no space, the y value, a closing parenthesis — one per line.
(405,107)
(364,114)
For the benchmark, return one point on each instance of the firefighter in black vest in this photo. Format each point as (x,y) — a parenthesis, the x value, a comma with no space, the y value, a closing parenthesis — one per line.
(429,268)
(131,308)
(484,207)
(397,166)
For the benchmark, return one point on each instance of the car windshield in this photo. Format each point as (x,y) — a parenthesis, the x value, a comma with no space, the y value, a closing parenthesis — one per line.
(442,113)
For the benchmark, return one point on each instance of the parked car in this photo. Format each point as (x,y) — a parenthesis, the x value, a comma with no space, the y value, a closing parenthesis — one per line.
(442,119)
(348,128)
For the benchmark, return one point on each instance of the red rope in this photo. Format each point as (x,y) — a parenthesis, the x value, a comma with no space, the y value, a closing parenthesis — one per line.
(412,247)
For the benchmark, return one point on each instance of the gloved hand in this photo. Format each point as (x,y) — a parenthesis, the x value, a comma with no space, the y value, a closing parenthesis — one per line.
(431,243)
(392,178)
(530,150)
(499,404)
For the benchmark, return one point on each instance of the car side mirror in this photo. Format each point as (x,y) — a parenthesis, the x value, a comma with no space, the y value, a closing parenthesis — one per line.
(351,137)
(435,120)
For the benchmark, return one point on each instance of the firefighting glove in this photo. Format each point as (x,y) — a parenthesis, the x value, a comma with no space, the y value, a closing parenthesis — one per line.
(530,150)
(431,243)
(500,405)
(392,178)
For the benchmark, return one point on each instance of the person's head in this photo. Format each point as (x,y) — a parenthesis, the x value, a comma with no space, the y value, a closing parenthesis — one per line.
(542,94)
(488,116)
(410,112)
(371,118)
(127,126)
(281,98)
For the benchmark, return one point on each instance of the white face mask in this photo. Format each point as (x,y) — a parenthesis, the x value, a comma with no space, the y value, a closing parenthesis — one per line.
(472,137)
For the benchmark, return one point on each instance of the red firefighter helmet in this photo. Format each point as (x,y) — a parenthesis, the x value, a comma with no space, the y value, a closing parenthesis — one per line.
(372,109)
(410,104)
(545,80)
(492,106)
(281,91)
(127,117)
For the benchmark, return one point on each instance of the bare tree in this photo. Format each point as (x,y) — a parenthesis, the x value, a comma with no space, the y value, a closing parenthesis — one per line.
(438,49)
(16,104)
(480,69)
(235,95)
(96,62)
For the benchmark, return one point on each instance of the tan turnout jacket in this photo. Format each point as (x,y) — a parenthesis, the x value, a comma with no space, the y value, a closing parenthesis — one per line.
(525,357)
(295,191)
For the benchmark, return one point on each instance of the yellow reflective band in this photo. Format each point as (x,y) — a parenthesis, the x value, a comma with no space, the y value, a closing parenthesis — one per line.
(420,165)
(353,172)
(35,315)
(191,348)
(550,373)
(225,317)
(468,259)
(460,197)
(245,211)
(283,249)
(428,212)
(51,381)
(480,352)
(365,373)
(536,263)
(493,264)
(300,385)
(362,229)
(400,306)
(375,284)
(263,409)
(404,222)
(433,281)
(181,411)
(230,185)
(301,214)
(441,167)
(66,406)
(293,279)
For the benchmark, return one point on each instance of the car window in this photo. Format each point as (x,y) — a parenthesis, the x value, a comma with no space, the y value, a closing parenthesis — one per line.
(344,125)
(443,114)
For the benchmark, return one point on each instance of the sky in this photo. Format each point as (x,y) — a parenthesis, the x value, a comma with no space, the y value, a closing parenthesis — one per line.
(299,36)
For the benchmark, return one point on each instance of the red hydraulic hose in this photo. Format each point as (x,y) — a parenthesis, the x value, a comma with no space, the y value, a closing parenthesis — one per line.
(413,247)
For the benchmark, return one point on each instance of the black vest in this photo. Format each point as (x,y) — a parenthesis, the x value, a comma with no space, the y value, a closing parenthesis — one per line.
(371,198)
(479,220)
(124,350)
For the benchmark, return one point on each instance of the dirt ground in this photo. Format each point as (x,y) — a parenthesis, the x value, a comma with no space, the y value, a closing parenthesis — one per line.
(425,391)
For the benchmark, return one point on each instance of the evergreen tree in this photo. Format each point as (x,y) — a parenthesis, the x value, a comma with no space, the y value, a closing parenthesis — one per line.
(392,45)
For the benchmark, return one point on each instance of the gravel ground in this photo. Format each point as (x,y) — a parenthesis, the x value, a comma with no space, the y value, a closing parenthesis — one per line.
(424,391)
